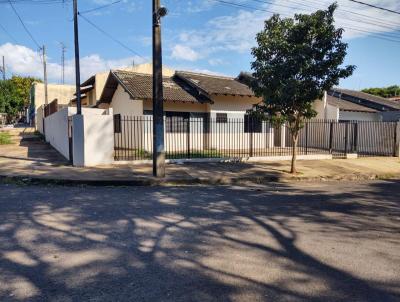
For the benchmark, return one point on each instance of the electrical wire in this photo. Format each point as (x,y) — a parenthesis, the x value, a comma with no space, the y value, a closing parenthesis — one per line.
(375,6)
(360,29)
(110,36)
(99,7)
(8,34)
(23,24)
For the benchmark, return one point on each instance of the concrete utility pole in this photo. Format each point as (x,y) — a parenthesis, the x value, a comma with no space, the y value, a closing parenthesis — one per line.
(77,66)
(3,70)
(46,98)
(158,105)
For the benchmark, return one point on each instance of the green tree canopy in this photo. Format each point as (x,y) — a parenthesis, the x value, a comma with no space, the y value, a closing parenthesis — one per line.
(296,60)
(14,94)
(385,92)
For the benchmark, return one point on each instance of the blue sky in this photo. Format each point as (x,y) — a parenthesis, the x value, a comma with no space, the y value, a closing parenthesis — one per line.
(199,35)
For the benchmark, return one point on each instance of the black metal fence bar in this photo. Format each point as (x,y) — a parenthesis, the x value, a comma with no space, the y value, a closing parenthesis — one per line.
(204,137)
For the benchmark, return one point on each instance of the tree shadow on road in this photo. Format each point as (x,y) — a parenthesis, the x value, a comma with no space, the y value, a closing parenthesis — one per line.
(274,243)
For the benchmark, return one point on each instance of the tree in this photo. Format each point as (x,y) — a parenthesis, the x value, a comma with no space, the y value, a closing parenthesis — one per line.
(14,94)
(385,92)
(296,60)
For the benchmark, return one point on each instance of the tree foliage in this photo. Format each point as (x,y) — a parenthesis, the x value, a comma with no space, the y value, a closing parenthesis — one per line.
(296,60)
(385,92)
(14,94)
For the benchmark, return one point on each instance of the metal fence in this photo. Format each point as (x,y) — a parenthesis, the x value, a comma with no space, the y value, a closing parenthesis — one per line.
(202,137)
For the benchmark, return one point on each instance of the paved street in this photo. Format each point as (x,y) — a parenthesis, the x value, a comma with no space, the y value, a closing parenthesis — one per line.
(289,242)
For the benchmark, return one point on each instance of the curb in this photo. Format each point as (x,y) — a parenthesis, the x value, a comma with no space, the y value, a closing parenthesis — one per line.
(28,180)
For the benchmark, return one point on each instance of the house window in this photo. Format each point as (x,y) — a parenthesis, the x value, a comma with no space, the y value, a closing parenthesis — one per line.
(222,118)
(176,122)
(117,123)
(252,124)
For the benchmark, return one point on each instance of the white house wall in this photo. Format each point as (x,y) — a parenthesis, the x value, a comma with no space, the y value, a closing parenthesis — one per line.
(124,105)
(359,116)
(56,131)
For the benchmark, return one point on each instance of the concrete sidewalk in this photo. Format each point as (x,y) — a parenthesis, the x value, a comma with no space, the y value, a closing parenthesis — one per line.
(32,160)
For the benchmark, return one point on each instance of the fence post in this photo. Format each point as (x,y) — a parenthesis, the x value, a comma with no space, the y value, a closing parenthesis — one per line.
(306,138)
(188,137)
(251,124)
(330,138)
(397,139)
(355,142)
(346,138)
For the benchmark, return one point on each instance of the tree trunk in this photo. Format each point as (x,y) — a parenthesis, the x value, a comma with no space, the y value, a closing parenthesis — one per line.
(293,169)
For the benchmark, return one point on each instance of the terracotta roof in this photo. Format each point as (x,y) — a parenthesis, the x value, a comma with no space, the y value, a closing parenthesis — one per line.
(213,84)
(140,86)
(347,106)
(366,99)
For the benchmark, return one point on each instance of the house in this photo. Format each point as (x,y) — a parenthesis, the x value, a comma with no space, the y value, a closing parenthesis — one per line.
(62,94)
(350,105)
(185,94)
(92,88)
(199,110)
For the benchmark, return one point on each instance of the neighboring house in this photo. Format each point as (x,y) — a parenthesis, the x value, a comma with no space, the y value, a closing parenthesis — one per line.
(92,88)
(62,93)
(350,105)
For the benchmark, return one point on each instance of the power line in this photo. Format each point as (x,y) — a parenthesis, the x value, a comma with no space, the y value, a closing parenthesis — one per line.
(372,34)
(99,7)
(23,24)
(8,34)
(110,36)
(342,8)
(241,5)
(377,7)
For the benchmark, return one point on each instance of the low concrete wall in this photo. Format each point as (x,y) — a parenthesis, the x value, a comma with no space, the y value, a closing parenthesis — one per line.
(39,119)
(93,140)
(56,131)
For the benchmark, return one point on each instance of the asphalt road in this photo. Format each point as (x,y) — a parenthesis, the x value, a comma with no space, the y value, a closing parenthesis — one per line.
(298,242)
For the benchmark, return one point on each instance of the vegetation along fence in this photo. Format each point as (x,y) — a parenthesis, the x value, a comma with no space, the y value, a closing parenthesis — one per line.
(188,137)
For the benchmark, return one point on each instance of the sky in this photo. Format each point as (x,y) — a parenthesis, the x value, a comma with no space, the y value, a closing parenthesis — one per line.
(199,35)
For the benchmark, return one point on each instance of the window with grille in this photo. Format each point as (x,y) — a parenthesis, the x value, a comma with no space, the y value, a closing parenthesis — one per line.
(222,118)
(252,124)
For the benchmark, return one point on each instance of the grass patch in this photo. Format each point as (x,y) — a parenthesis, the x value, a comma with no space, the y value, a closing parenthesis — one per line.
(5,138)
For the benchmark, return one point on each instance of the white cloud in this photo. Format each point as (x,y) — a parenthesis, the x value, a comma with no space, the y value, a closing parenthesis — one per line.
(236,32)
(182,52)
(21,60)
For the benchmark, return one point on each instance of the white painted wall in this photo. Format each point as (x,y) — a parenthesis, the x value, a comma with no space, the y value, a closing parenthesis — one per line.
(93,139)
(124,105)
(331,113)
(56,130)
(99,140)
(359,116)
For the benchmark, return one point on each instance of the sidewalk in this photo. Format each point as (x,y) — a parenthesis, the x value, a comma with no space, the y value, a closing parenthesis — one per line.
(30,160)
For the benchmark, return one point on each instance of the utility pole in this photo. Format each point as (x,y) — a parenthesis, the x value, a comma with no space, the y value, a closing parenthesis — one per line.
(46,99)
(63,50)
(77,66)
(3,70)
(158,105)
